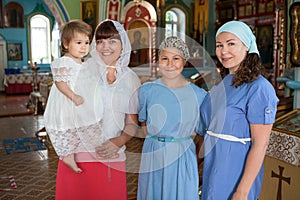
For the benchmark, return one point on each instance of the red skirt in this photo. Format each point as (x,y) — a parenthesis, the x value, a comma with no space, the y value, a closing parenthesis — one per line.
(97,181)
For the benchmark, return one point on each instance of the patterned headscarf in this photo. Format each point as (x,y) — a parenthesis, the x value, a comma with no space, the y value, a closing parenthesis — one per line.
(177,43)
(243,32)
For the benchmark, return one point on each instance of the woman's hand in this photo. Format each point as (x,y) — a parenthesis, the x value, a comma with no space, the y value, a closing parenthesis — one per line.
(109,149)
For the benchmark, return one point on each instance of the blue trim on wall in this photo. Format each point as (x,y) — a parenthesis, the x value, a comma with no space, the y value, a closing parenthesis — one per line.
(62,10)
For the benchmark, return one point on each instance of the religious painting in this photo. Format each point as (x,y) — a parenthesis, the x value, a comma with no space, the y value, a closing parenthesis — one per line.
(13,15)
(138,33)
(264,38)
(248,11)
(294,33)
(201,2)
(270,7)
(261,7)
(226,14)
(14,51)
(88,12)
(241,11)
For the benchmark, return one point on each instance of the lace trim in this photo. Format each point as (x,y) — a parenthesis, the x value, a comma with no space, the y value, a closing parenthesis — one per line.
(76,140)
(62,74)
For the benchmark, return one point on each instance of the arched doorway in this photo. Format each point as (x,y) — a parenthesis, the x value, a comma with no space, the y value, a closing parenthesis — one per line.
(139,19)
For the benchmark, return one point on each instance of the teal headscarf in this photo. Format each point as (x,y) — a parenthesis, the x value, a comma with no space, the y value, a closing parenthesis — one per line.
(243,32)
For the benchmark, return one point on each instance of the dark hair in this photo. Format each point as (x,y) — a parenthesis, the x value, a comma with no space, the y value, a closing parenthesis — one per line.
(69,30)
(249,70)
(106,30)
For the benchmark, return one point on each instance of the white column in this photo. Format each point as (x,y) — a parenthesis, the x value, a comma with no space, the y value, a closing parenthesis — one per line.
(102,10)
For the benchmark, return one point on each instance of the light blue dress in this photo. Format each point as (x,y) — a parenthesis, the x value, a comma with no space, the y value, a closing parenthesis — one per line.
(229,110)
(168,166)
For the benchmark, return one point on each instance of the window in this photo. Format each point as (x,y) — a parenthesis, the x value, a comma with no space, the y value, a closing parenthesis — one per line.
(55,41)
(171,23)
(175,22)
(40,39)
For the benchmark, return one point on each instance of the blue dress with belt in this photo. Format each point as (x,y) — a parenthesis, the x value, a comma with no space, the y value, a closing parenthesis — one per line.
(168,165)
(229,111)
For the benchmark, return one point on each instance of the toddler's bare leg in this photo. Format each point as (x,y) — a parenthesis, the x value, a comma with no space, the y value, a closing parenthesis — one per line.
(69,160)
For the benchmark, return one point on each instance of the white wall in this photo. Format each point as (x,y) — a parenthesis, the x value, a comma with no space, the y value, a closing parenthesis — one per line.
(3,62)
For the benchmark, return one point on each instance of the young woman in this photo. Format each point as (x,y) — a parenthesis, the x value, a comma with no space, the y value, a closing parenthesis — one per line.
(169,113)
(238,115)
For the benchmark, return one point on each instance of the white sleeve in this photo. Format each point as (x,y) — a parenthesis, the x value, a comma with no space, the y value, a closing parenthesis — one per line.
(61,70)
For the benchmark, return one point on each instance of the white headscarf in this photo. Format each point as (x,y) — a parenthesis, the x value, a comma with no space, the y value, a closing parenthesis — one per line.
(124,59)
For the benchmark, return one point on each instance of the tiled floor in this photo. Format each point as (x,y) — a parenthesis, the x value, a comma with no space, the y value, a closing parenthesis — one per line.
(34,172)
(13,105)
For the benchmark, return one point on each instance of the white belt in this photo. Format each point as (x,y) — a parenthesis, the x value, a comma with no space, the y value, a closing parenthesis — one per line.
(229,137)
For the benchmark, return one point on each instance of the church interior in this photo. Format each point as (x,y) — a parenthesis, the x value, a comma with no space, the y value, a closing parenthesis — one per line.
(29,42)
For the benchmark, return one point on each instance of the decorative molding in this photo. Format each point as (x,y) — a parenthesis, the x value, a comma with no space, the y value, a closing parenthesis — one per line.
(147,5)
(294,33)
(284,147)
(58,10)
(113,9)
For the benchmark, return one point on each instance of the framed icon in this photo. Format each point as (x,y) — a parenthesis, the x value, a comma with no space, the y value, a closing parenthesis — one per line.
(264,38)
(13,15)
(14,51)
(88,12)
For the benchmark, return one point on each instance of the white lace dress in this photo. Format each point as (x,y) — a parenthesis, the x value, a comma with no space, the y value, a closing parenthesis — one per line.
(66,123)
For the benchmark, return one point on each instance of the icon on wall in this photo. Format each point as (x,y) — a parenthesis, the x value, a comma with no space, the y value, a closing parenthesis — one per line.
(13,15)
(138,33)
(264,38)
(14,51)
(88,12)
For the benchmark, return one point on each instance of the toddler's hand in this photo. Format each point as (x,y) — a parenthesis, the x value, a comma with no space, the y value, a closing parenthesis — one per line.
(78,100)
